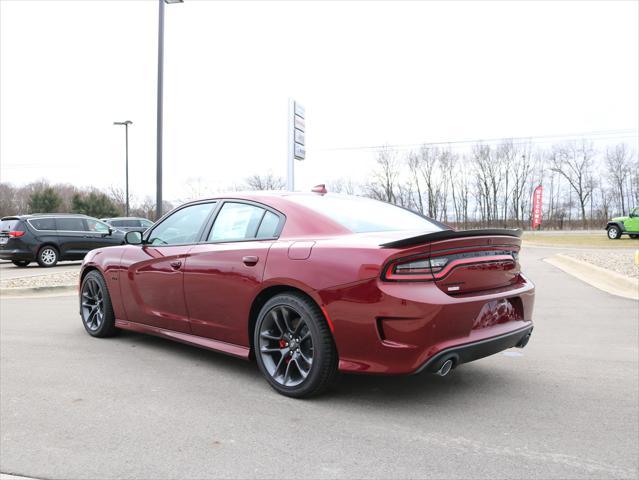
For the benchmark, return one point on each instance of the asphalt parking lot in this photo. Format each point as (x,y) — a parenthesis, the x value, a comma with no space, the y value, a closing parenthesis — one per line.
(140,407)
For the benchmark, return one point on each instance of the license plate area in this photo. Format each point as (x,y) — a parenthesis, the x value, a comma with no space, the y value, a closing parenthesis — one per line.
(499,311)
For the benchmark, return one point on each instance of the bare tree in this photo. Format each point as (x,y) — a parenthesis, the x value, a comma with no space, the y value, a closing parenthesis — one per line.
(428,164)
(265,182)
(384,183)
(342,185)
(521,172)
(618,161)
(413,167)
(574,162)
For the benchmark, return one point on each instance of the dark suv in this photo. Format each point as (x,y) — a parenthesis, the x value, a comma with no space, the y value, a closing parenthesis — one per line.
(48,238)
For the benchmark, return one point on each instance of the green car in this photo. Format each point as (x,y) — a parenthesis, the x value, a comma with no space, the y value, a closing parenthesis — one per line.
(620,225)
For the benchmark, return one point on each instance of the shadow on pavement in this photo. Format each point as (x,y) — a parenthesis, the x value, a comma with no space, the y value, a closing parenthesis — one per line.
(462,384)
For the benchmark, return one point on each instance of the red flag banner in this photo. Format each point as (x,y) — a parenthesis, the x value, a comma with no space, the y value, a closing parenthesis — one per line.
(537,207)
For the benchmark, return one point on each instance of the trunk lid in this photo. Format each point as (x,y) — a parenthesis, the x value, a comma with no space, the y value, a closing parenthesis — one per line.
(468,261)
(476,264)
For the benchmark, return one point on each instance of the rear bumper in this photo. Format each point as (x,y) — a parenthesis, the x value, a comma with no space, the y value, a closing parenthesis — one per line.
(476,350)
(16,254)
(400,329)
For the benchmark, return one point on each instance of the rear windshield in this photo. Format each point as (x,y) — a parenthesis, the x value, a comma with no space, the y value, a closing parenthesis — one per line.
(365,215)
(9,224)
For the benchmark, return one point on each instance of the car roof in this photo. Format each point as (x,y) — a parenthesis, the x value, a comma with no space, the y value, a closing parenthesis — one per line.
(39,215)
(124,218)
(302,220)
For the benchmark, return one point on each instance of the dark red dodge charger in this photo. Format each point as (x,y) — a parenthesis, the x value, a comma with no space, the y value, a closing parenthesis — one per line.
(312,284)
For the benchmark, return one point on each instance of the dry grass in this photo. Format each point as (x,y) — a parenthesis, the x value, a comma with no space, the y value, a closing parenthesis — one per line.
(578,240)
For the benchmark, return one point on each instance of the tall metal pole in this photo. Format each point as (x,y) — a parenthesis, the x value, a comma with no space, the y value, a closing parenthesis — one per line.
(126,124)
(158,202)
(290,166)
(126,133)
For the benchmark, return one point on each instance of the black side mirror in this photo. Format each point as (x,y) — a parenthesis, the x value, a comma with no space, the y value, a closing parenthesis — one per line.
(133,238)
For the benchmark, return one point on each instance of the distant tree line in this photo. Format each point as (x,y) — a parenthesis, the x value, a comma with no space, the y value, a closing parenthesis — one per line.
(492,185)
(42,197)
(489,185)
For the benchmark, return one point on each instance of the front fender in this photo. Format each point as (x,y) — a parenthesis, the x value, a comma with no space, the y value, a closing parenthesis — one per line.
(108,262)
(619,225)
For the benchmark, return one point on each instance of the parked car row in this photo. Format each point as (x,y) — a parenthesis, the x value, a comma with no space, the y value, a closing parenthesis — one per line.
(50,238)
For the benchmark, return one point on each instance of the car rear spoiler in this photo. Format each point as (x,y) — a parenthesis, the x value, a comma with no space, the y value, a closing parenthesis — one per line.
(448,234)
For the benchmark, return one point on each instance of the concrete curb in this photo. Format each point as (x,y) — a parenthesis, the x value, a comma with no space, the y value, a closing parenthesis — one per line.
(601,278)
(53,290)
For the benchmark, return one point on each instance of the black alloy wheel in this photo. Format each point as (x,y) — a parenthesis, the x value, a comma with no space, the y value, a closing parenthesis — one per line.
(95,306)
(294,348)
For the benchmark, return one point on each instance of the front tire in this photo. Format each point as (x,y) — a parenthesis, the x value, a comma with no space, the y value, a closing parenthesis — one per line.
(20,263)
(294,348)
(48,256)
(96,309)
(613,232)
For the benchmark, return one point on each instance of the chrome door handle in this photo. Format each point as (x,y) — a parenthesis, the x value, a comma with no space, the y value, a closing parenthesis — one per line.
(176,264)
(250,260)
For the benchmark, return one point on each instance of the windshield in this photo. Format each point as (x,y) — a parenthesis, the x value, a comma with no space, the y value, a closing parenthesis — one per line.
(362,215)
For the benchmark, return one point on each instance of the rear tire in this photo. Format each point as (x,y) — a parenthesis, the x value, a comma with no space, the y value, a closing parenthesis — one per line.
(20,263)
(613,232)
(96,309)
(48,256)
(294,347)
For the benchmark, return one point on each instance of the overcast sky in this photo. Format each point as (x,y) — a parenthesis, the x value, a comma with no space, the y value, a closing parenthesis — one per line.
(368,73)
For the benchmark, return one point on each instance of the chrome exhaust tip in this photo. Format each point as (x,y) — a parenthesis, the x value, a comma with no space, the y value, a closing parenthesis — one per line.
(445,368)
(524,341)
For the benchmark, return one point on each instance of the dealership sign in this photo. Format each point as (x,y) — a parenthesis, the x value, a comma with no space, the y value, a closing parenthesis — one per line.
(299,137)
(537,207)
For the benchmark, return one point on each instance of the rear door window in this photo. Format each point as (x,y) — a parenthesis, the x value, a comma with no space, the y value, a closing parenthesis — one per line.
(236,221)
(131,223)
(70,224)
(268,227)
(43,223)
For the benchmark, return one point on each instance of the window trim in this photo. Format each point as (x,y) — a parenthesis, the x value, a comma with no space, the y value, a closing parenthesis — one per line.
(209,225)
(149,231)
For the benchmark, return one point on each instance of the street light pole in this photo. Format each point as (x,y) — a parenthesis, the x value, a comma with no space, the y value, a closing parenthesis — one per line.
(126,124)
(158,206)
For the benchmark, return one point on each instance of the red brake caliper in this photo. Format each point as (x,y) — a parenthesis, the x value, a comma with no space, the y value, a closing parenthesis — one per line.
(284,344)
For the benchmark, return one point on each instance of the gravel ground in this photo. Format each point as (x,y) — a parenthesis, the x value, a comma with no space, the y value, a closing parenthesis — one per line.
(620,262)
(53,280)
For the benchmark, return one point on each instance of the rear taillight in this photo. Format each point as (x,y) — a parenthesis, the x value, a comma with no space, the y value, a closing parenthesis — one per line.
(16,233)
(415,268)
(433,268)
